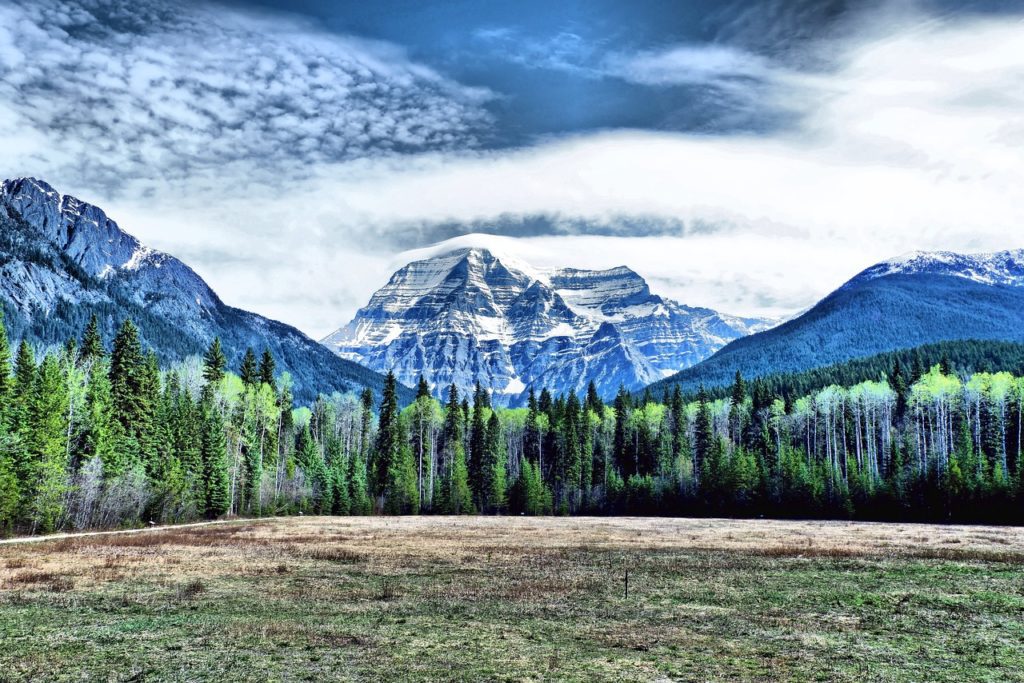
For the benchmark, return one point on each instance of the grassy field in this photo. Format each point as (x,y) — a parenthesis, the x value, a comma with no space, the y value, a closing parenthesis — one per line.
(517,599)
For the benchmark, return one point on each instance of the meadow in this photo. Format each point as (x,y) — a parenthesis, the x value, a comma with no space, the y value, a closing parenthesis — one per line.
(517,599)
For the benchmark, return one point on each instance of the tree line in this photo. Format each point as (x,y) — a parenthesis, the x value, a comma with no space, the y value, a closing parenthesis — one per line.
(91,438)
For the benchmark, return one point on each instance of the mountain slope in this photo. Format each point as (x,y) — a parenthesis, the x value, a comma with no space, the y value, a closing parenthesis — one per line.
(905,302)
(61,260)
(470,316)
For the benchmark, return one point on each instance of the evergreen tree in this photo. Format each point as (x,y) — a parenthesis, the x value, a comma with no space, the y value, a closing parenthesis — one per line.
(6,380)
(249,369)
(21,390)
(531,435)
(593,401)
(47,446)
(493,468)
(703,435)
(422,388)
(10,488)
(624,461)
(129,390)
(214,363)
(213,452)
(267,368)
(92,341)
(388,443)
(477,444)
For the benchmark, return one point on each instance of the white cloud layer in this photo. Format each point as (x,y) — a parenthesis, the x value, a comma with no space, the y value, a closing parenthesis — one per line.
(111,91)
(914,140)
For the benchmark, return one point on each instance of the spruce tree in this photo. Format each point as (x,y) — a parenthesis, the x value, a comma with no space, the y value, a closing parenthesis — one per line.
(249,370)
(386,447)
(92,341)
(267,368)
(21,390)
(477,442)
(493,480)
(6,380)
(625,463)
(20,413)
(128,377)
(214,363)
(47,446)
(422,388)
(531,434)
(213,452)
(593,401)
(10,488)
(703,435)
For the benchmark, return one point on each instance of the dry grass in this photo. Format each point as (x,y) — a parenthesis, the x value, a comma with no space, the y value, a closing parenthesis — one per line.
(450,598)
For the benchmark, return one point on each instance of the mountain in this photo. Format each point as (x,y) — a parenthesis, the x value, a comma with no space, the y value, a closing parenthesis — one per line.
(921,298)
(61,260)
(470,316)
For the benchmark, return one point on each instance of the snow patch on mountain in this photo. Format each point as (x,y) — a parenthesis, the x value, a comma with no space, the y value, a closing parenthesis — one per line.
(471,315)
(995,268)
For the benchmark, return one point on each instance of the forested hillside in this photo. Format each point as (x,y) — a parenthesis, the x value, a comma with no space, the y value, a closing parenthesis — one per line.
(958,357)
(868,316)
(63,261)
(91,439)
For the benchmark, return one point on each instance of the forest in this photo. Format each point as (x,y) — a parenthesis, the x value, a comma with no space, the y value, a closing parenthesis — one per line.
(98,439)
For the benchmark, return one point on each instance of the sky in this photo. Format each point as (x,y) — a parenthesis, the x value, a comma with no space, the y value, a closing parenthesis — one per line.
(745,156)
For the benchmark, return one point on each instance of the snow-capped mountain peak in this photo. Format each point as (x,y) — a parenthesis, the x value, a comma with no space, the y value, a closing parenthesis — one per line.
(994,268)
(472,315)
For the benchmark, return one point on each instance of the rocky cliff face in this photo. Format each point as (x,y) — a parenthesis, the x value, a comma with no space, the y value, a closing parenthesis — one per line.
(62,260)
(472,316)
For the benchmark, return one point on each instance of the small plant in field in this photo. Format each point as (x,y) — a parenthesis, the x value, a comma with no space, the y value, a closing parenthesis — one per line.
(191,589)
(387,590)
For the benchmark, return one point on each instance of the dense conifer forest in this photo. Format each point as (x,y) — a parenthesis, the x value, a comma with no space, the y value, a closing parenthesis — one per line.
(92,438)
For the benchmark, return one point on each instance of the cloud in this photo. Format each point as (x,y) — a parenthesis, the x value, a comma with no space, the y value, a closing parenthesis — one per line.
(689,65)
(291,195)
(116,90)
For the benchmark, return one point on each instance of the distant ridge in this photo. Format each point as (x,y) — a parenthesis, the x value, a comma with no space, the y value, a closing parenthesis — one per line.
(920,298)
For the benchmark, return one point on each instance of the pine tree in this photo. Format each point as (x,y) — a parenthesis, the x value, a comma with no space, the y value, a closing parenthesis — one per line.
(6,380)
(213,452)
(477,443)
(214,363)
(47,446)
(531,435)
(10,489)
(625,463)
(703,435)
(422,388)
(386,447)
(567,478)
(593,402)
(128,377)
(493,468)
(313,465)
(20,413)
(267,368)
(92,341)
(249,370)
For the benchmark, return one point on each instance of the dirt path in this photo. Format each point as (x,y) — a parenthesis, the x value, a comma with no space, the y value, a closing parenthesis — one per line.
(83,534)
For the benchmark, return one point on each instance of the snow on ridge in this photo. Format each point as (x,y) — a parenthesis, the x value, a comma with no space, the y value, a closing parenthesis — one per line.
(471,314)
(990,268)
